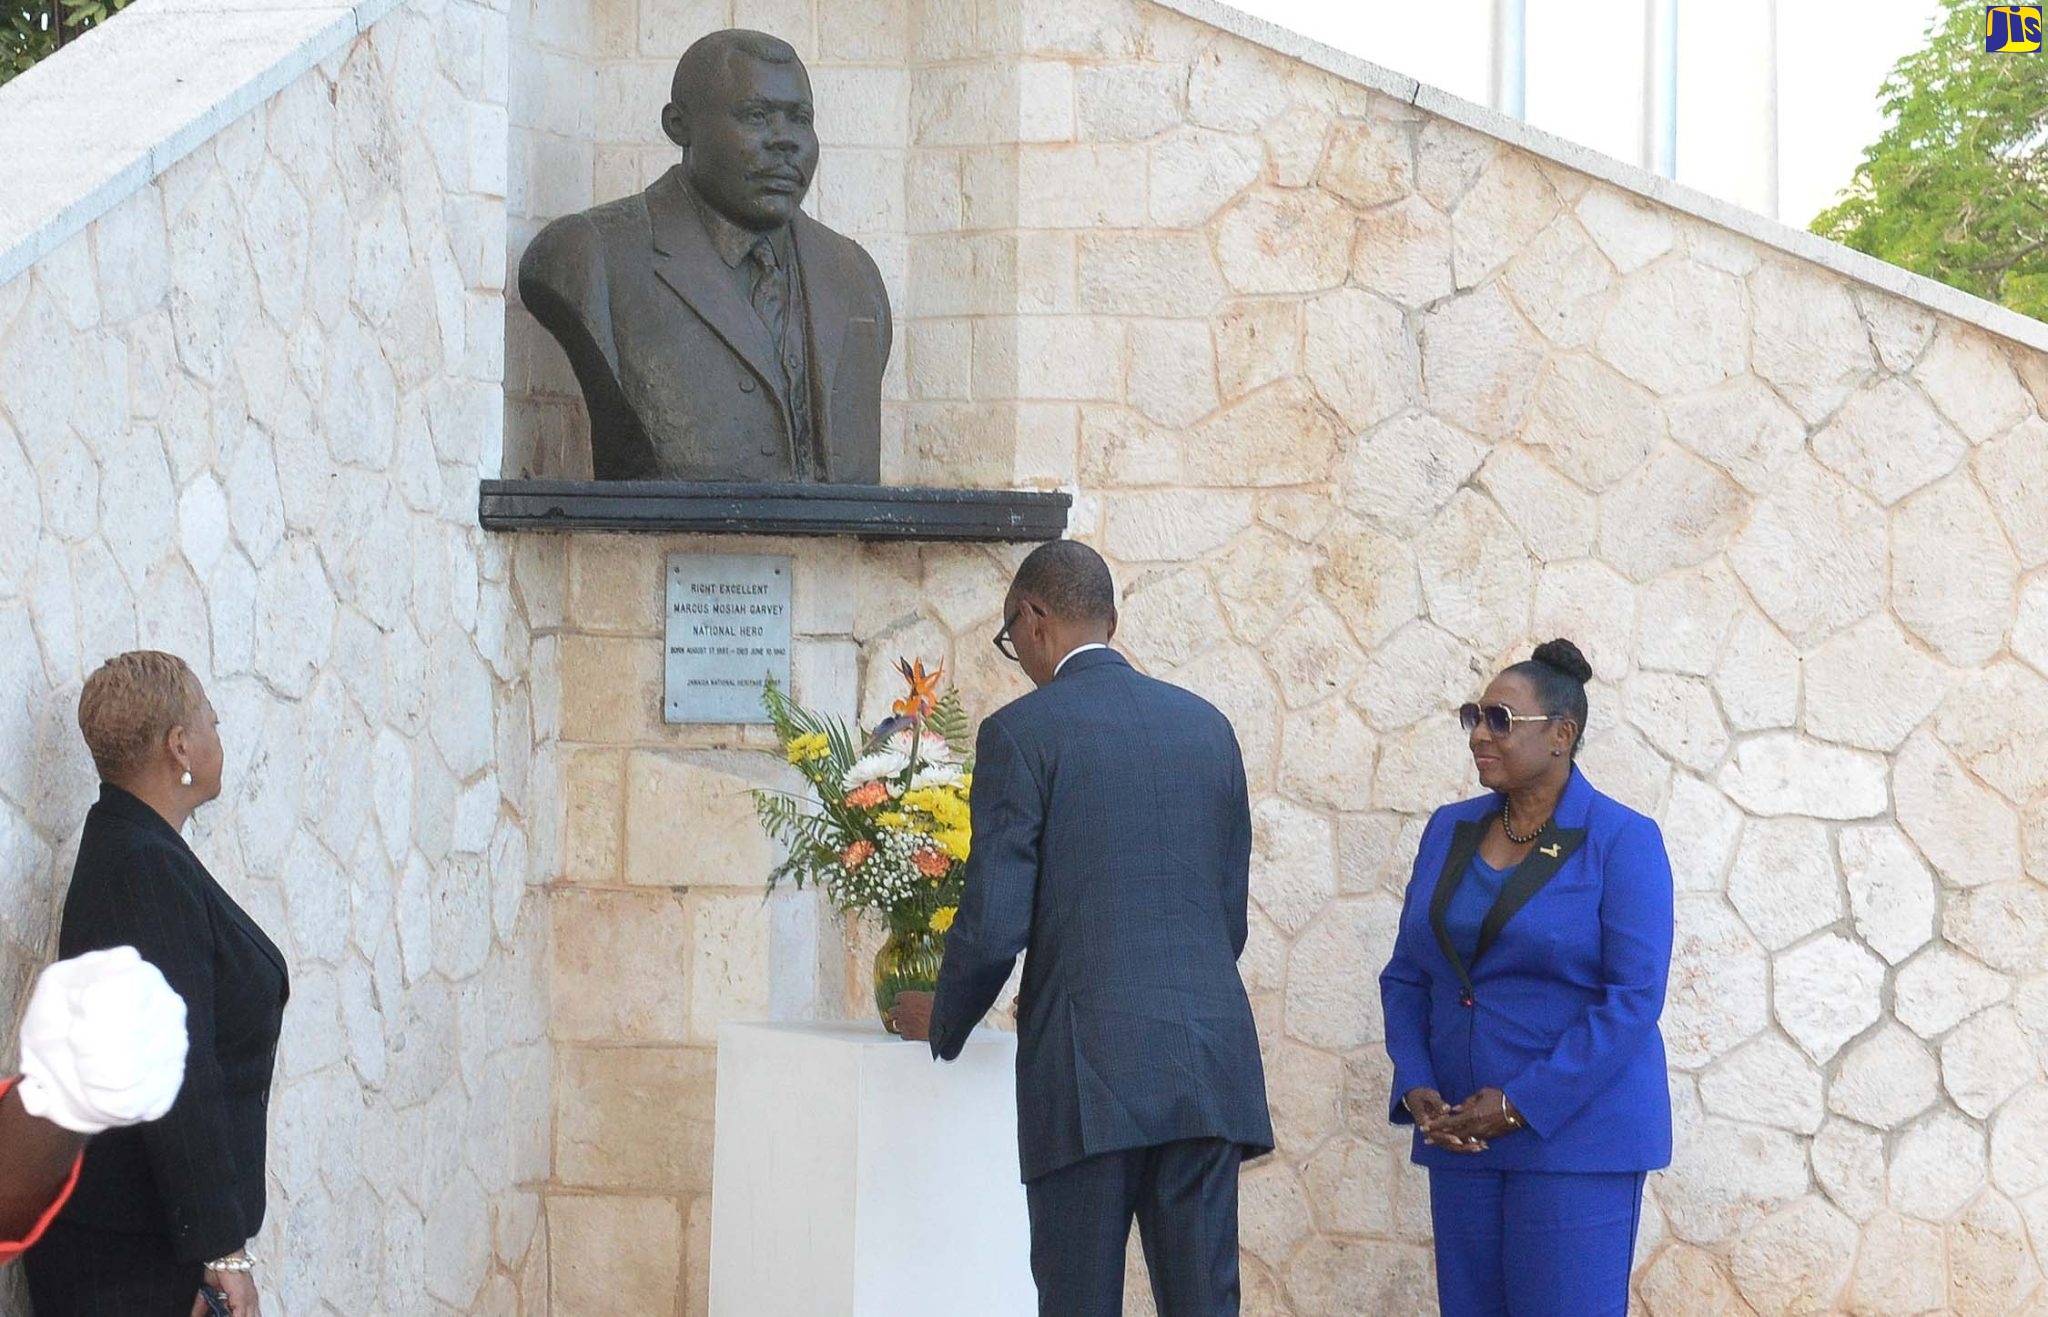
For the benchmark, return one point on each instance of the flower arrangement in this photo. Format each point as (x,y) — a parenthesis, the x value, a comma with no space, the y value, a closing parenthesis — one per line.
(883,825)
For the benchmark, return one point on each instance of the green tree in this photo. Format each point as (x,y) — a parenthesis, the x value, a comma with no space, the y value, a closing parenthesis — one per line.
(29,28)
(1957,187)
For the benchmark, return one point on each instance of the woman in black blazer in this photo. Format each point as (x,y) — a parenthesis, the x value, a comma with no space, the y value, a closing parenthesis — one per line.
(163,1208)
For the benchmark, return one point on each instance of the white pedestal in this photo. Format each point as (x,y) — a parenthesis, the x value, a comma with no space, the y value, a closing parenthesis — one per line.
(853,1176)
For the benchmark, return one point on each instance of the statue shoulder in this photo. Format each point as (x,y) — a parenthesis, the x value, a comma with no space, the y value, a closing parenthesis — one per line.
(572,251)
(851,260)
(593,229)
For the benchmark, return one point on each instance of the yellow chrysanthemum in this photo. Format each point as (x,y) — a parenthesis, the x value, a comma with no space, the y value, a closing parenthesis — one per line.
(954,841)
(808,748)
(942,918)
(943,804)
(893,819)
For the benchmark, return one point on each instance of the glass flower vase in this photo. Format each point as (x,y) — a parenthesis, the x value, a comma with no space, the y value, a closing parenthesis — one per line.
(908,961)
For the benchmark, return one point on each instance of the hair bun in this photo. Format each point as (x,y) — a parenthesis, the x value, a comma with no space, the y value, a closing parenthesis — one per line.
(1564,656)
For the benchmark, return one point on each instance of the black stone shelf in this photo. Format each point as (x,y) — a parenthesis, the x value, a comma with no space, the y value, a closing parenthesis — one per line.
(869,512)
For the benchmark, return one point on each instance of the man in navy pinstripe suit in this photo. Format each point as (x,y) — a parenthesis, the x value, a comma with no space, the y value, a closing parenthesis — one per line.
(1112,843)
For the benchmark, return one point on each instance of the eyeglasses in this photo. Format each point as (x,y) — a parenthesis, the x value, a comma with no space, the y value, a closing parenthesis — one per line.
(1499,718)
(1004,645)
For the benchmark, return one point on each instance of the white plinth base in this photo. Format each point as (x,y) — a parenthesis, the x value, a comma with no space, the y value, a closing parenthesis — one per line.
(852,1176)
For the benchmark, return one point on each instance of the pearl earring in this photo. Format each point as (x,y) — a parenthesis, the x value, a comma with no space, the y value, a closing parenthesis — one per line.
(185,778)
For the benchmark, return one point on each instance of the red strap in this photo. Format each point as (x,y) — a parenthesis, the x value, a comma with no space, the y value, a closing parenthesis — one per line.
(9,1251)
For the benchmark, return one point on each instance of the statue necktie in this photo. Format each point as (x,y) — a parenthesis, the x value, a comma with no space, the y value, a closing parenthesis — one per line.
(770,296)
(771,303)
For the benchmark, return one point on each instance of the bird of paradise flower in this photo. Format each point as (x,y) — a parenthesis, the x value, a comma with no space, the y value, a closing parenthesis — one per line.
(924,690)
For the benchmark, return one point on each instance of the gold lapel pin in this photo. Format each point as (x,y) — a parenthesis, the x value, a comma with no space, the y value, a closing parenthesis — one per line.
(1551,850)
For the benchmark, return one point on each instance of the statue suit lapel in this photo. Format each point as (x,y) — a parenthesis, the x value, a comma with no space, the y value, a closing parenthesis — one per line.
(825,296)
(685,260)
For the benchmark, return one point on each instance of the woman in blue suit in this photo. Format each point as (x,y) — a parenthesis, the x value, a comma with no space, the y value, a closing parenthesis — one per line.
(1521,1007)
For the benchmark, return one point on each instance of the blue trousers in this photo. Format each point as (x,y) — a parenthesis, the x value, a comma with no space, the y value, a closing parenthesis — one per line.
(1184,1196)
(1534,1243)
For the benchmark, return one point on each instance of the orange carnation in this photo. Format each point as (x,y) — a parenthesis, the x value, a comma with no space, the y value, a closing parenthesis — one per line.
(856,855)
(867,795)
(930,863)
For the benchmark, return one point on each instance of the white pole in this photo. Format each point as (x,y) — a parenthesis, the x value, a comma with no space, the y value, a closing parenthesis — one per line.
(1511,57)
(1660,87)
(1771,108)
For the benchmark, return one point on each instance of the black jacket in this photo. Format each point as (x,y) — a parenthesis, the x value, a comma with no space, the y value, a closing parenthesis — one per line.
(195,1176)
(1112,845)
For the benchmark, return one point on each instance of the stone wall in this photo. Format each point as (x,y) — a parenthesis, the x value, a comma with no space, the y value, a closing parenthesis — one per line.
(1360,402)
(1376,401)
(242,418)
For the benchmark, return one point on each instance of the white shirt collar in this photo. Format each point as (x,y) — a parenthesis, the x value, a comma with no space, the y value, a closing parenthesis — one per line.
(1078,649)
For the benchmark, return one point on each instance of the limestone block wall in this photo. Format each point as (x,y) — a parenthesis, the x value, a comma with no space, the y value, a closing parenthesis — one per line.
(242,418)
(1371,401)
(1358,399)
(1361,401)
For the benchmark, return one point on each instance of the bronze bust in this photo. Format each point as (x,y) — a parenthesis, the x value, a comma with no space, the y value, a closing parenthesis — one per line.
(718,333)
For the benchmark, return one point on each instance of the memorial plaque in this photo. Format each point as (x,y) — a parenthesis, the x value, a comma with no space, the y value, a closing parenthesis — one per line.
(728,633)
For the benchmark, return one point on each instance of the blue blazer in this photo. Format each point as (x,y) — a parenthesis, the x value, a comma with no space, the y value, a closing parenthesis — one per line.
(1559,1006)
(1112,843)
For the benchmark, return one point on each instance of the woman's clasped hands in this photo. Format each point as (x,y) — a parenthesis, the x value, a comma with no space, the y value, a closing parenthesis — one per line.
(1467,1127)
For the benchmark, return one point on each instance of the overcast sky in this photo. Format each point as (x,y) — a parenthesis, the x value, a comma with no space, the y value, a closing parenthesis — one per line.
(1585,77)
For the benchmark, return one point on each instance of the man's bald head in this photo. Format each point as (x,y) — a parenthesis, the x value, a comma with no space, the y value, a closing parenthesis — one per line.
(1061,598)
(1069,580)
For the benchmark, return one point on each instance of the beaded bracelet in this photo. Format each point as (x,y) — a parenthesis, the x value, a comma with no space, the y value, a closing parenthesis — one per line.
(242,1264)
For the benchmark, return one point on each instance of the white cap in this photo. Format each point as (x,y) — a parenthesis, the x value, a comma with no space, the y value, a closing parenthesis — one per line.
(103,1043)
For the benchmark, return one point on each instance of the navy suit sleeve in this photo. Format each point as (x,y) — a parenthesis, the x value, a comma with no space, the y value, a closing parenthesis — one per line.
(1635,955)
(1237,865)
(191,1152)
(1404,997)
(1001,886)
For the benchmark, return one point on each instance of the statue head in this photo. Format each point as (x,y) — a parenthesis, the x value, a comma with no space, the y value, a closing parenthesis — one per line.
(740,107)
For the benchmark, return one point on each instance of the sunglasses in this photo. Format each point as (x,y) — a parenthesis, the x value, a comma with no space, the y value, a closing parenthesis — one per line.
(1499,718)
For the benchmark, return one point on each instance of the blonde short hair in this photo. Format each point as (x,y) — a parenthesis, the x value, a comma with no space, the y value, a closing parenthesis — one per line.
(131,704)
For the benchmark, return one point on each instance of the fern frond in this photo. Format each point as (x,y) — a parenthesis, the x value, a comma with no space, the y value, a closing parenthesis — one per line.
(949,721)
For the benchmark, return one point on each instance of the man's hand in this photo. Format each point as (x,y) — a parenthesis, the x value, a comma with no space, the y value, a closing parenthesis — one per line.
(103,1042)
(912,1018)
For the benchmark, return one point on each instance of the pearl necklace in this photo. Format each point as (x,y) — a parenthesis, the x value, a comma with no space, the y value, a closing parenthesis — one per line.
(1509,828)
